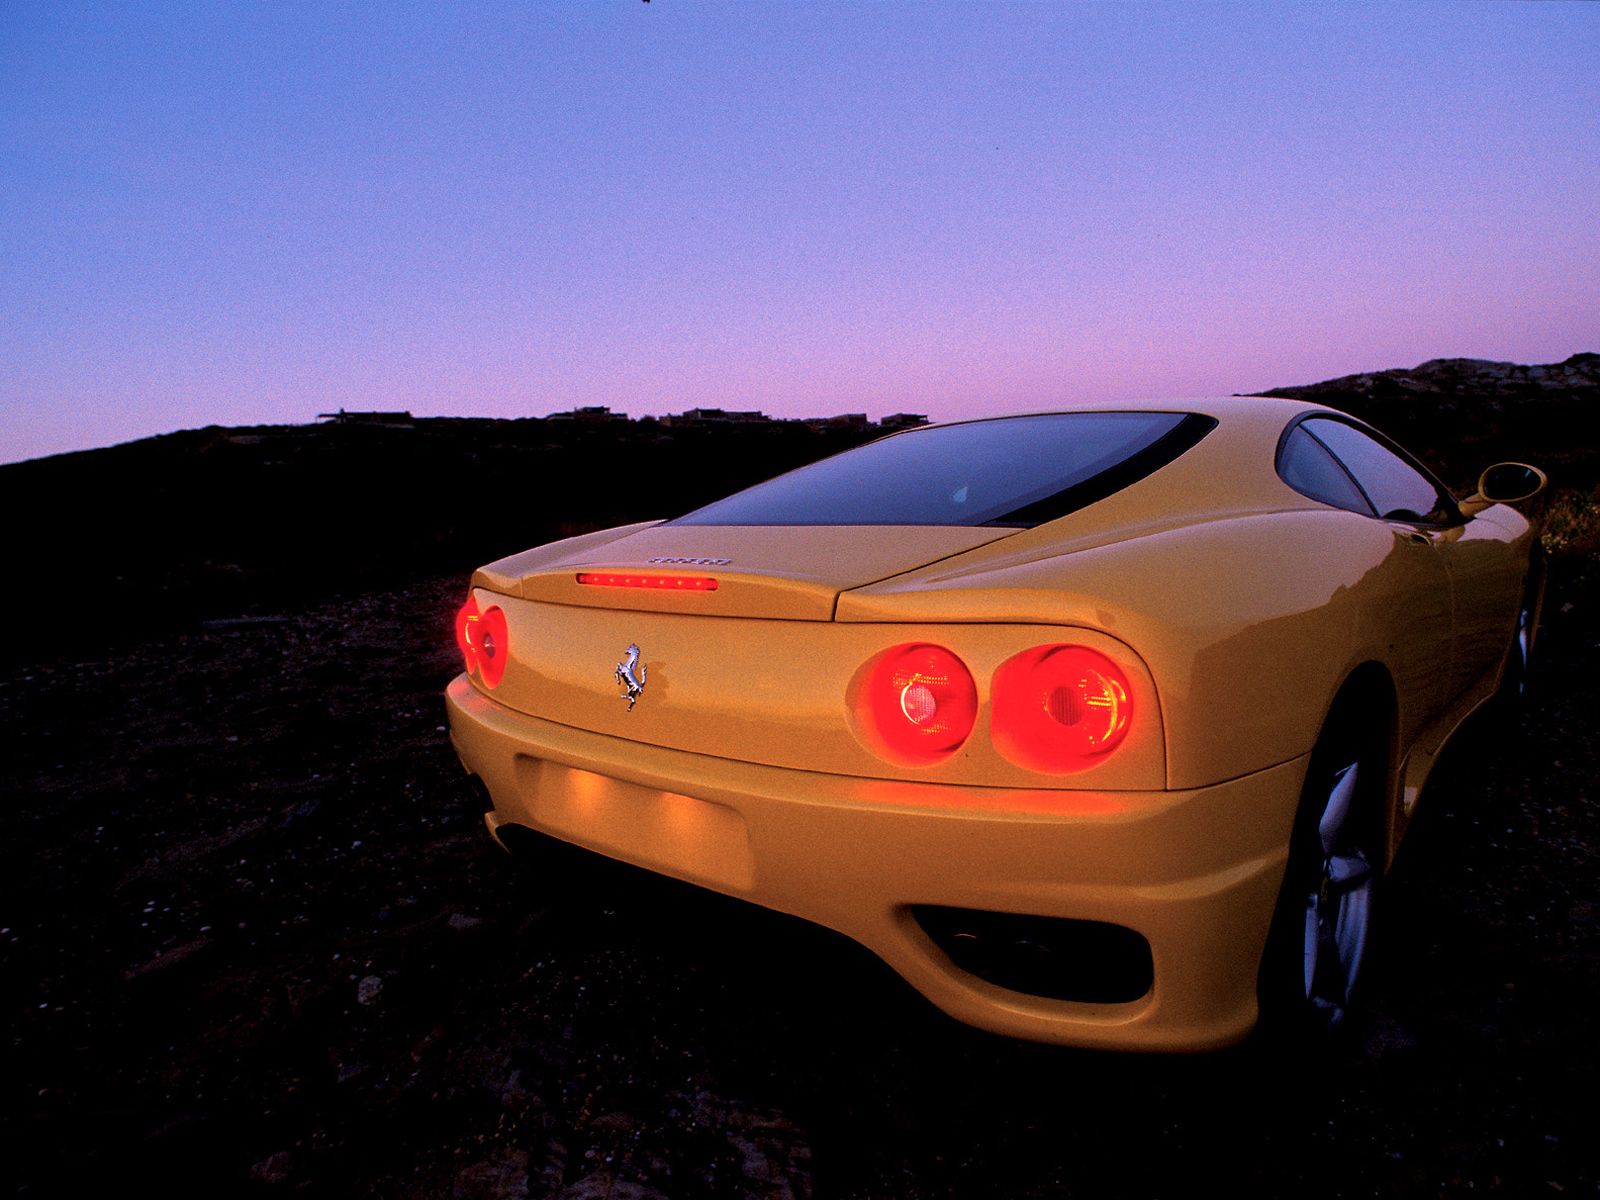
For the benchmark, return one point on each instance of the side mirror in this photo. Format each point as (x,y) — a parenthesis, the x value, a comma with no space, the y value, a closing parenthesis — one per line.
(1505,483)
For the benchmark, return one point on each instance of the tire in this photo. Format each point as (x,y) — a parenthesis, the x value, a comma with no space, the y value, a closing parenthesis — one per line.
(1519,654)
(1322,928)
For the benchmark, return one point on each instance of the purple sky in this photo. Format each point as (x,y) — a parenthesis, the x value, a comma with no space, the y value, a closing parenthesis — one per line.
(218,213)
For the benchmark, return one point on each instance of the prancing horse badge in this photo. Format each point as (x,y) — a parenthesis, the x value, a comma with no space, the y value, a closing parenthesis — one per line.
(630,674)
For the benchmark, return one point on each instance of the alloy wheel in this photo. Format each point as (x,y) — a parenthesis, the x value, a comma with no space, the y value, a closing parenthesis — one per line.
(1338,909)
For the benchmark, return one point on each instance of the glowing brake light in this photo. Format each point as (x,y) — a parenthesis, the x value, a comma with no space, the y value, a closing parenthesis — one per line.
(467,617)
(492,645)
(671,583)
(919,703)
(483,640)
(1059,708)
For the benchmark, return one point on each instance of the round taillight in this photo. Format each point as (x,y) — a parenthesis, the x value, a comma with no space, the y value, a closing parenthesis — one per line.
(467,617)
(1059,708)
(491,643)
(919,703)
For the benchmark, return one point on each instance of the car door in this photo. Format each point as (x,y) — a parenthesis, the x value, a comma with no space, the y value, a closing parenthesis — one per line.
(1489,578)
(1425,523)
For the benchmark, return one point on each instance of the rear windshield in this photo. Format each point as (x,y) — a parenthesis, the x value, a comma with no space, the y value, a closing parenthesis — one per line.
(1009,471)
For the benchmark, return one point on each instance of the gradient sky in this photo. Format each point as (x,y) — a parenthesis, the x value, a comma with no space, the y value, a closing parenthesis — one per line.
(241,213)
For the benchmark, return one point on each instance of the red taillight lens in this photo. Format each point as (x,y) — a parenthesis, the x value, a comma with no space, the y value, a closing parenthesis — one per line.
(919,702)
(671,583)
(491,644)
(466,622)
(483,640)
(1059,708)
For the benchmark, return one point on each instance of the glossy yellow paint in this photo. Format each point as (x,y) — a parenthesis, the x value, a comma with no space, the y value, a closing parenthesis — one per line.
(1195,871)
(1236,606)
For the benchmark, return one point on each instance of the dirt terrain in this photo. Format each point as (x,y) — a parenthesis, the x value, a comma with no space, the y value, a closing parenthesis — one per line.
(253,940)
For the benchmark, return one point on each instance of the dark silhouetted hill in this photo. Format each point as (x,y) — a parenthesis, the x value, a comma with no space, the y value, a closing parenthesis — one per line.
(215,523)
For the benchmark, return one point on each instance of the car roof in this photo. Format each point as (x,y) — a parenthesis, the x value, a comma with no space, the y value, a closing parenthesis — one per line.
(1265,413)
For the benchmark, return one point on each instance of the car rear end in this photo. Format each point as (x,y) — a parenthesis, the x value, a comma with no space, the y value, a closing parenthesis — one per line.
(982,803)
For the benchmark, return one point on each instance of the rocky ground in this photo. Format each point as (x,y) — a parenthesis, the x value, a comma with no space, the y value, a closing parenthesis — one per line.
(253,941)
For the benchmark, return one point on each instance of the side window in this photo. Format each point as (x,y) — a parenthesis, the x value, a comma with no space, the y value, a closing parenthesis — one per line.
(1397,489)
(1305,465)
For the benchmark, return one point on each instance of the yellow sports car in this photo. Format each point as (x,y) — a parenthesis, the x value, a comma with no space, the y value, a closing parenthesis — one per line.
(1098,726)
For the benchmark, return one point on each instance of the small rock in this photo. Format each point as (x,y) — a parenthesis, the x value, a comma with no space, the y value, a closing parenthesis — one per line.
(299,812)
(603,1186)
(368,990)
(167,958)
(503,1177)
(275,1169)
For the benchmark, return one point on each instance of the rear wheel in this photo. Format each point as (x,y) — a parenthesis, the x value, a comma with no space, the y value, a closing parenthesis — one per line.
(1323,924)
(1336,902)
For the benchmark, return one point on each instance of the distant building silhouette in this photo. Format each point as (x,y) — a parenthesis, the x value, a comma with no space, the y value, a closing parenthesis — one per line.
(402,420)
(842,421)
(903,421)
(719,416)
(593,414)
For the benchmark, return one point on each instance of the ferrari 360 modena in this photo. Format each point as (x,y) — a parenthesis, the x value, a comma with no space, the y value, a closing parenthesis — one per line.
(1100,727)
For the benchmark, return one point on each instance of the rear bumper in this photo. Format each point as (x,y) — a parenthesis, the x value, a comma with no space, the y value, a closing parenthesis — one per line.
(1196,873)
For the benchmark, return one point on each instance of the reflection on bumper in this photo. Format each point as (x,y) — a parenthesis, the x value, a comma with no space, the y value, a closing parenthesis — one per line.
(1194,873)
